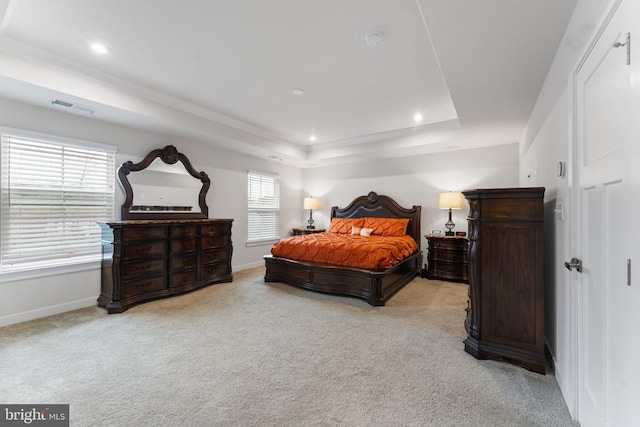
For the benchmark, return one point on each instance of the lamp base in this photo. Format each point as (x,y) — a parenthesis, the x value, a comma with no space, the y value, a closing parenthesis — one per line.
(311,227)
(450,226)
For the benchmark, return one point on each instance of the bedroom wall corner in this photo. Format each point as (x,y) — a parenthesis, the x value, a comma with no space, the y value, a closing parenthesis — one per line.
(33,297)
(416,180)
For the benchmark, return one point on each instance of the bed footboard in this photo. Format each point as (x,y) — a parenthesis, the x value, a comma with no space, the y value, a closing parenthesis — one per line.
(374,287)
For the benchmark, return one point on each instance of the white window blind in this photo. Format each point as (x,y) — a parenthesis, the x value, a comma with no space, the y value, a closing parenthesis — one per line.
(52,196)
(263,206)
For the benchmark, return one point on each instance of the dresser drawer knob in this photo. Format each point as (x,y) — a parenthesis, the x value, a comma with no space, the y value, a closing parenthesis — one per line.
(143,267)
(144,251)
(144,285)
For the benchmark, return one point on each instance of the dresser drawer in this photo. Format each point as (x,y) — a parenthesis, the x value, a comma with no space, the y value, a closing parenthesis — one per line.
(222,227)
(214,270)
(182,261)
(213,241)
(139,233)
(182,245)
(146,249)
(182,278)
(143,285)
(182,230)
(146,266)
(214,255)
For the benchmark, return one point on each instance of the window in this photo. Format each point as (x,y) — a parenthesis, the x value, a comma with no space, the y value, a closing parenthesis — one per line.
(52,196)
(263,207)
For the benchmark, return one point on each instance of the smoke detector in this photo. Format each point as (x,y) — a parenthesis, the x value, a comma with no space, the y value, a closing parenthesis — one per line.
(72,107)
(373,39)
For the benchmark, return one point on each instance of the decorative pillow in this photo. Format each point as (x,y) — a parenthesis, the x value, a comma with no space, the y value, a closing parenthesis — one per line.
(357,231)
(390,227)
(343,225)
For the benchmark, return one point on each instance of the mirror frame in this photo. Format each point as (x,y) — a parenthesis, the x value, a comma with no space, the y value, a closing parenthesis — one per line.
(169,155)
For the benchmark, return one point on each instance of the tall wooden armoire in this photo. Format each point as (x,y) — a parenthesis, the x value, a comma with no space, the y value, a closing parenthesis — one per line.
(505,317)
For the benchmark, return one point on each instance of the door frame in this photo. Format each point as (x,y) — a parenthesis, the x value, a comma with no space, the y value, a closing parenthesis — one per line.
(575,211)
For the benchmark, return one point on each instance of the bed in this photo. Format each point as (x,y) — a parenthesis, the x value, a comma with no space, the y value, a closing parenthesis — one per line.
(375,286)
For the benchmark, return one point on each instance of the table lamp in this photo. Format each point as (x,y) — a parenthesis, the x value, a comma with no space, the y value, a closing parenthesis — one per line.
(311,203)
(450,201)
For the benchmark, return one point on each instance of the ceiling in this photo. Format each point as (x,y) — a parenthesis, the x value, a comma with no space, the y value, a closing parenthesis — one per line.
(224,71)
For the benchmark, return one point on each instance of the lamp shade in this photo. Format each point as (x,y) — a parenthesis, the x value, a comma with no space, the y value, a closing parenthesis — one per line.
(311,203)
(450,200)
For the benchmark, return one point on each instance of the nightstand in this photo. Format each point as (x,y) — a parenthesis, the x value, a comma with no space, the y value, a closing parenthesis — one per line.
(447,258)
(299,231)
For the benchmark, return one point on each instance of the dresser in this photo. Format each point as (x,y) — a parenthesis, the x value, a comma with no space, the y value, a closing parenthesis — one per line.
(505,317)
(144,260)
(447,258)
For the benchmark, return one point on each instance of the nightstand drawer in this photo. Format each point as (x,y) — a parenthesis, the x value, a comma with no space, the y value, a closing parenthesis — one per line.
(449,269)
(452,244)
(450,256)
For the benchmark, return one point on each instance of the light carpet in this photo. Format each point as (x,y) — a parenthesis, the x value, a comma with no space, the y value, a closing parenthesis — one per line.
(251,353)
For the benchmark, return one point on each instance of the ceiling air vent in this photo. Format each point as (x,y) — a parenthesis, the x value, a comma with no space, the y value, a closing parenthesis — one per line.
(72,108)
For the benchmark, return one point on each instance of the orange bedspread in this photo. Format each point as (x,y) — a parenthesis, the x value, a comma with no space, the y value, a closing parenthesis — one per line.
(370,253)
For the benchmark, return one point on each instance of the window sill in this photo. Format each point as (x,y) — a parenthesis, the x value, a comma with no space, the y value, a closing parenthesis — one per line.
(261,242)
(33,273)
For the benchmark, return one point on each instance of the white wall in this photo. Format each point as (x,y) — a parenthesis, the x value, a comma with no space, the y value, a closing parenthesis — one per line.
(37,294)
(538,168)
(412,181)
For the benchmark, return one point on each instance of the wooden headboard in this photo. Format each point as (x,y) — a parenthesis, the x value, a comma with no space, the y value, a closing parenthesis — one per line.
(378,206)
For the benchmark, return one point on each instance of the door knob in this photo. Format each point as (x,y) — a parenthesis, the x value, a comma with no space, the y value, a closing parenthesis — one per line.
(574,263)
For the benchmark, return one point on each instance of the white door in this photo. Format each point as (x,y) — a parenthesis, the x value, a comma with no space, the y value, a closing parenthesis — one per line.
(603,231)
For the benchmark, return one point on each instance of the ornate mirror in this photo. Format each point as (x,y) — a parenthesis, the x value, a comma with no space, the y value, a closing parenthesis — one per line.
(163,187)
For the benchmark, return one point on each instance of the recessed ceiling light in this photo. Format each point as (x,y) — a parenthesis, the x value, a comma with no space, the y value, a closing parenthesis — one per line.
(99,48)
(298,91)
(373,39)
(417,117)
(312,138)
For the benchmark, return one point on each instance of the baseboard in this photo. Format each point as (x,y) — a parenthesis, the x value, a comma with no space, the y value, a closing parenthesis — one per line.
(565,389)
(46,311)
(248,266)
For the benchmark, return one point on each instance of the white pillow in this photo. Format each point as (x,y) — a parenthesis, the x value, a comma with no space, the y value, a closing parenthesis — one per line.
(366,232)
(357,231)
